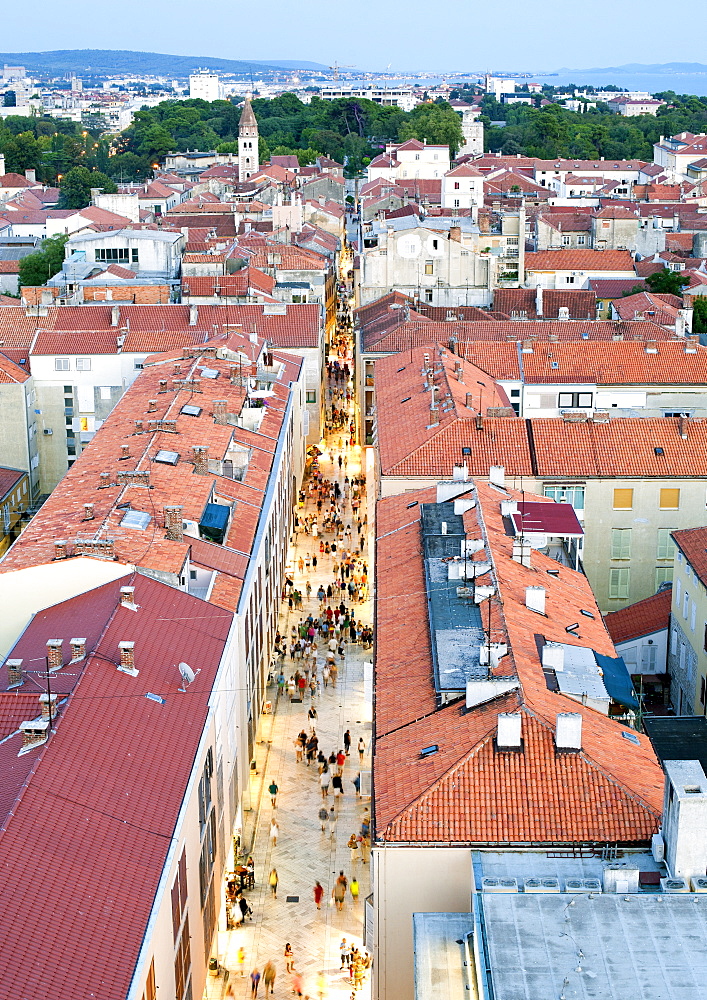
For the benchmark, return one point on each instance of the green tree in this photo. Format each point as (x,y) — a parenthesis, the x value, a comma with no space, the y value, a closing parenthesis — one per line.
(667,282)
(38,268)
(699,315)
(76,186)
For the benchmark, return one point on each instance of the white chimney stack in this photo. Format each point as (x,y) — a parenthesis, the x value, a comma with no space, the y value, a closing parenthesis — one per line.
(497,476)
(568,731)
(509,729)
(554,656)
(535,599)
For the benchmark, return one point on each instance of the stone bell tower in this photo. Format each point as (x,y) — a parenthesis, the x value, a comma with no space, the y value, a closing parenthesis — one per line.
(247,143)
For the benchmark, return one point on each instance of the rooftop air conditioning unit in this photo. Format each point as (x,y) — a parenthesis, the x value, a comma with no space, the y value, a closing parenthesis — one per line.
(583,885)
(541,885)
(674,885)
(699,884)
(190,528)
(499,885)
(657,847)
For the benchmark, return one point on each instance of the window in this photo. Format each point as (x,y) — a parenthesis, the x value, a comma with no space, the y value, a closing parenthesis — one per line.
(179,894)
(581,240)
(456,185)
(113,253)
(703,689)
(669,499)
(618,583)
(570,279)
(62,365)
(456,203)
(566,494)
(566,240)
(575,399)
(685,604)
(663,574)
(435,244)
(83,364)
(133,255)
(620,543)
(429,267)
(666,546)
(623,499)
(693,616)
(428,295)
(182,964)
(677,593)
(311,396)
(150,985)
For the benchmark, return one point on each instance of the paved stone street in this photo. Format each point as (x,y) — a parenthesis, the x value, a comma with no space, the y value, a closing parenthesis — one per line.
(305,854)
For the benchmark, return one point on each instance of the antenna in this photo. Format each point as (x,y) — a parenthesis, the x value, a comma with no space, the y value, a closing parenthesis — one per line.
(188,675)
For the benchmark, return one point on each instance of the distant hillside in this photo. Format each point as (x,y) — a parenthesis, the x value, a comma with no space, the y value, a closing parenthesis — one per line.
(667,68)
(109,62)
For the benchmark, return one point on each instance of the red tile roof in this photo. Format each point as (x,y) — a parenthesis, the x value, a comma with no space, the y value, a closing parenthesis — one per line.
(613,288)
(581,302)
(639,619)
(9,478)
(579,260)
(85,779)
(466,792)
(692,542)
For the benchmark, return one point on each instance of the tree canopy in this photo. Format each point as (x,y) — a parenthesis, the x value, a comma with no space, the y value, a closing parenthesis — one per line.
(37,268)
(76,186)
(667,282)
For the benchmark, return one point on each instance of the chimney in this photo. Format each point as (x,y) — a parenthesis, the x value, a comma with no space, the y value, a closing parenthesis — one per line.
(508,733)
(509,507)
(177,368)
(200,457)
(527,347)
(568,732)
(455,234)
(60,549)
(497,476)
(535,599)
(434,415)
(127,595)
(539,301)
(34,731)
(470,400)
(173,522)
(459,371)
(124,452)
(78,649)
(682,427)
(521,551)
(553,656)
(193,315)
(127,658)
(651,347)
(115,316)
(220,411)
(14,673)
(48,705)
(31,176)
(55,655)
(151,405)
(88,512)
(163,385)
(138,426)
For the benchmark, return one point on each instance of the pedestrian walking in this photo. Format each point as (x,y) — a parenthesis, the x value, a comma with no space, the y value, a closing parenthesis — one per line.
(340,761)
(324,781)
(240,960)
(332,822)
(254,982)
(347,742)
(297,984)
(245,909)
(323,817)
(361,749)
(353,847)
(269,974)
(289,958)
(337,785)
(273,789)
(274,830)
(339,891)
(344,952)
(354,889)
(318,893)
(273,882)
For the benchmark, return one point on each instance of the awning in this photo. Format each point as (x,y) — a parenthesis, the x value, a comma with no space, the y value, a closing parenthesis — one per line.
(617,680)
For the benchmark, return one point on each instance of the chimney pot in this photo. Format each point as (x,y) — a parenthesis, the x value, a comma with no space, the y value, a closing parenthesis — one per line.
(127,595)
(173,522)
(55,654)
(200,454)
(78,649)
(88,512)
(14,673)
(115,316)
(138,426)
(48,704)
(220,410)
(151,405)
(470,401)
(193,315)
(163,385)
(60,549)
(568,731)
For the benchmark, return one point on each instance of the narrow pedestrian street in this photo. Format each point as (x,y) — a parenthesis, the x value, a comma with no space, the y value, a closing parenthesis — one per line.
(304,853)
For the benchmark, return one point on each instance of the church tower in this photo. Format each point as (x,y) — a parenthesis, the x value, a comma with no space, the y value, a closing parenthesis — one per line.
(247,143)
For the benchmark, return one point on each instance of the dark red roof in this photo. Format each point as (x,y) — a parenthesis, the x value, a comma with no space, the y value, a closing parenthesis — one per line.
(642,618)
(556,519)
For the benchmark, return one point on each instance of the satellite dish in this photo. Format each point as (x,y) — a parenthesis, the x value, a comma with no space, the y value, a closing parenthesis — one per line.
(187,673)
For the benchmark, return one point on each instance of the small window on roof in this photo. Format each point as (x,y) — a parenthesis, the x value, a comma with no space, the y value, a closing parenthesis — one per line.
(191,411)
(466,450)
(209,373)
(136,519)
(167,457)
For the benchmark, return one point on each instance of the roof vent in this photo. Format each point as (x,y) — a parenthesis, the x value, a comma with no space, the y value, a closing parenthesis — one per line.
(568,732)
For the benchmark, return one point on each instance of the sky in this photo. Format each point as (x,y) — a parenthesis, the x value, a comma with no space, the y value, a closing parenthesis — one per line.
(371,34)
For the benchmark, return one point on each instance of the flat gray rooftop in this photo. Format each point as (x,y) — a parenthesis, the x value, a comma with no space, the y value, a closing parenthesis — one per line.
(541,864)
(603,947)
(440,954)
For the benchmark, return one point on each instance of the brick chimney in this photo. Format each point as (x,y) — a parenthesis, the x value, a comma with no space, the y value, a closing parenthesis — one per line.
(124,452)
(55,654)
(48,705)
(88,512)
(151,405)
(138,426)
(127,595)
(455,234)
(127,657)
(683,424)
(200,454)
(434,415)
(14,673)
(651,347)
(163,385)
(220,410)
(104,480)
(78,649)
(60,548)
(173,522)
(470,400)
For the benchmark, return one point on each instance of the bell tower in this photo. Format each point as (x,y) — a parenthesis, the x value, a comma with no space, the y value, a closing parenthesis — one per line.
(247,143)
